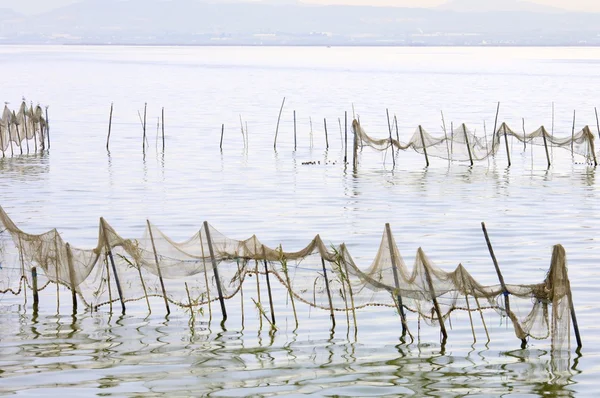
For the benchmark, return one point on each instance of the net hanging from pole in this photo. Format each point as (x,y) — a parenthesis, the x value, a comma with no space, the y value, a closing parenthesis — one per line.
(184,274)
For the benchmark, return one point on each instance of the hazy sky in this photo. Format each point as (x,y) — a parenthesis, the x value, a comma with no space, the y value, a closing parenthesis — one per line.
(33,6)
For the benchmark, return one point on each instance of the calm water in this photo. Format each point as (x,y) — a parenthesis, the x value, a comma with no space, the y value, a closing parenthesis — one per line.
(255,190)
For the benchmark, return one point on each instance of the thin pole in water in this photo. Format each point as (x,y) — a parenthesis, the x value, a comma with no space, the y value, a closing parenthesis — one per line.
(506,143)
(434,299)
(144,129)
(160,278)
(326,137)
(268,284)
(328,291)
(345,137)
(222,131)
(544,133)
(294,130)
(573,134)
(597,122)
(500,278)
(425,146)
(72,277)
(277,128)
(36,298)
(162,123)
(387,112)
(112,262)
(495,125)
(48,127)
(467,142)
(396,281)
(216,271)
(109,125)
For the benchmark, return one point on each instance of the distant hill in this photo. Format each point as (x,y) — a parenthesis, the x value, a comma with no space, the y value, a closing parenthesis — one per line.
(497,5)
(461,22)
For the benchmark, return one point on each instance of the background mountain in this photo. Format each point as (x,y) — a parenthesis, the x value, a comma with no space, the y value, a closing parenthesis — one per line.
(460,22)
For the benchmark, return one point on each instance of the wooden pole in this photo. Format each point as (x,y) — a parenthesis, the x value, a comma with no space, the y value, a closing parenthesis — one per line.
(216,271)
(391,141)
(572,309)
(342,249)
(396,280)
(597,121)
(12,153)
(500,278)
(467,142)
(294,129)
(544,132)
(72,277)
(162,123)
(345,137)
(326,137)
(268,285)
(445,134)
(277,128)
(573,133)
(355,148)
(144,129)
(425,146)
(222,131)
(112,262)
(434,299)
(109,125)
(524,137)
(160,278)
(205,278)
(397,133)
(19,136)
(506,143)
(47,127)
(36,298)
(328,291)
(2,141)
(495,125)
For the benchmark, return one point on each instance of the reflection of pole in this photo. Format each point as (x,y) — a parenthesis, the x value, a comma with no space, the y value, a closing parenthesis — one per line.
(396,280)
(500,278)
(216,271)
(328,291)
(112,262)
(436,305)
(160,278)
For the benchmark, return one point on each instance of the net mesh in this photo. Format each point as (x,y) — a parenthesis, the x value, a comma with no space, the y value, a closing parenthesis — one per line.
(18,128)
(190,274)
(462,145)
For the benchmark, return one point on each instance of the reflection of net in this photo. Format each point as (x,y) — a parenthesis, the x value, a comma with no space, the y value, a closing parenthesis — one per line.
(461,144)
(21,127)
(187,270)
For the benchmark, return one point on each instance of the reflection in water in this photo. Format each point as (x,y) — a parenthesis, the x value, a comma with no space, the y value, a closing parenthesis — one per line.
(131,355)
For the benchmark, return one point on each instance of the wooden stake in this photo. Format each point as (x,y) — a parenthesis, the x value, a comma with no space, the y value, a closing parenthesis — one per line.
(328,292)
(205,277)
(288,283)
(396,280)
(445,134)
(277,128)
(241,288)
(467,142)
(345,137)
(144,129)
(500,278)
(257,285)
(162,123)
(597,122)
(222,132)
(434,299)
(215,270)
(573,133)
(506,143)
(47,127)
(397,133)
(109,126)
(572,309)
(495,125)
(355,149)
(544,132)
(144,287)
(482,318)
(326,137)
(72,277)
(114,268)
(160,278)
(2,141)
(391,141)
(268,285)
(524,137)
(342,249)
(294,130)
(36,298)
(425,146)
(18,135)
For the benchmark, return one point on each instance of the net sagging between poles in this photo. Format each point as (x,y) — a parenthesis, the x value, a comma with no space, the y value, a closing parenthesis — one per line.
(461,144)
(18,128)
(320,276)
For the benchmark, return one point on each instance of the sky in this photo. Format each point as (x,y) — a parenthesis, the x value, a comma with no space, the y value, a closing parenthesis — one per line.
(36,6)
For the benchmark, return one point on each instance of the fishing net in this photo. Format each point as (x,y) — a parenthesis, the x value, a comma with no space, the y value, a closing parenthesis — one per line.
(210,265)
(17,129)
(462,145)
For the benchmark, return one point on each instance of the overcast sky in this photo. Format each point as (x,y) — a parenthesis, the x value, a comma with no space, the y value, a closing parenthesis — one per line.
(35,6)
